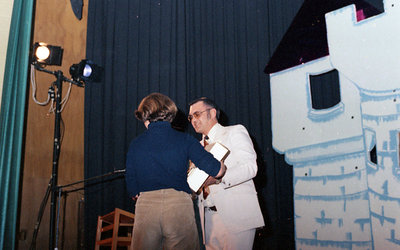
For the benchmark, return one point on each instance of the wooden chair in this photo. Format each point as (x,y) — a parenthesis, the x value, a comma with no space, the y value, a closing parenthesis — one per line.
(109,229)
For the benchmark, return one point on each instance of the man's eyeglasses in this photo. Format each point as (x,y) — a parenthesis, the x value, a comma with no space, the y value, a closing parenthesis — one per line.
(196,115)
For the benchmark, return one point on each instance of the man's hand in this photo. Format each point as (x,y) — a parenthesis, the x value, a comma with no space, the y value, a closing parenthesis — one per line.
(135,198)
(222,171)
(215,180)
(210,181)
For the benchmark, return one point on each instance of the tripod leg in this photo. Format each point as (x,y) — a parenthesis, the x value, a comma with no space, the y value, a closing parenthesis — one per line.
(40,215)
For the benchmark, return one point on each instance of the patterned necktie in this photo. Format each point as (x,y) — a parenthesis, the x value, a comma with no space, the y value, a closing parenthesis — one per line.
(205,142)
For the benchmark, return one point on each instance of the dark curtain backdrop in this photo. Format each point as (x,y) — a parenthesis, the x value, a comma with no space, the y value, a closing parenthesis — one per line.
(184,49)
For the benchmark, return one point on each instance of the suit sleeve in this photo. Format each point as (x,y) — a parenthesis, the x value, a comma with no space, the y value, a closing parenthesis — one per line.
(241,162)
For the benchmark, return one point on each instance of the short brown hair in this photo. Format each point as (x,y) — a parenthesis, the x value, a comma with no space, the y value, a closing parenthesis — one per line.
(156,107)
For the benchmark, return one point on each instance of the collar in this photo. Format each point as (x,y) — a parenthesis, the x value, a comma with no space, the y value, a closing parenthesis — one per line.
(213,132)
(159,124)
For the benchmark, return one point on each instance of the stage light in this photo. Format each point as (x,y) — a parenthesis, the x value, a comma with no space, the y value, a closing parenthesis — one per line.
(86,70)
(45,54)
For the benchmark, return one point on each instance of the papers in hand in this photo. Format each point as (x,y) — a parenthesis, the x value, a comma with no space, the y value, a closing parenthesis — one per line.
(196,177)
(219,151)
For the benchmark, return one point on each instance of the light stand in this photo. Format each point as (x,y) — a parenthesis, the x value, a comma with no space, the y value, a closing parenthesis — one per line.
(53,185)
(45,54)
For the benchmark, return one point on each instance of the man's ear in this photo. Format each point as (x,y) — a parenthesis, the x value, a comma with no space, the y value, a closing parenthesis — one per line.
(213,113)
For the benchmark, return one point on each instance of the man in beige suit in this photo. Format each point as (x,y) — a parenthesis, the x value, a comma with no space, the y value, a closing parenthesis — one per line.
(228,207)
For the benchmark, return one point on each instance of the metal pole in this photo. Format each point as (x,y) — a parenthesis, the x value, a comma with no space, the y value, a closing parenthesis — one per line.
(56,147)
(56,154)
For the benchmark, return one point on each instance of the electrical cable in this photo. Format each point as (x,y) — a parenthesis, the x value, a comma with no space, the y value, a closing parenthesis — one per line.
(33,83)
(63,101)
(50,93)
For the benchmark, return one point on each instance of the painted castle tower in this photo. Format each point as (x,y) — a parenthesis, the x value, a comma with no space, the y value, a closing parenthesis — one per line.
(344,197)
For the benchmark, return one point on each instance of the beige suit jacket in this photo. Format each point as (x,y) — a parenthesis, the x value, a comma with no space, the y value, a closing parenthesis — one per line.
(235,197)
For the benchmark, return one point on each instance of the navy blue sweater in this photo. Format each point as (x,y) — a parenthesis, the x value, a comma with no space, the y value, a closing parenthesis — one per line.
(158,159)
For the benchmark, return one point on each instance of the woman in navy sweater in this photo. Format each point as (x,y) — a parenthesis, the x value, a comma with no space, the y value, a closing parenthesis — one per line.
(156,176)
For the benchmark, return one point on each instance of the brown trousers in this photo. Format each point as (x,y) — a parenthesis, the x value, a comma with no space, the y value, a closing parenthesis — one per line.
(164,219)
